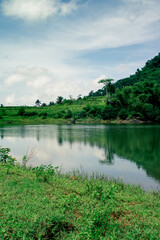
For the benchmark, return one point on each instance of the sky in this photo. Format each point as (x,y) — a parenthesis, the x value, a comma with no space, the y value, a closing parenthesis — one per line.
(51,48)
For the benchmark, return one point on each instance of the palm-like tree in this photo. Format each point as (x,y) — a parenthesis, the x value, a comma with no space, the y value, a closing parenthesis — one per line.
(38,102)
(109,87)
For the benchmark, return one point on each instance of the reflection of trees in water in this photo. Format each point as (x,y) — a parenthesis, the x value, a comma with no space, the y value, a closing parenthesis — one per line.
(2,133)
(86,136)
(139,144)
(60,135)
(23,131)
(109,156)
(38,134)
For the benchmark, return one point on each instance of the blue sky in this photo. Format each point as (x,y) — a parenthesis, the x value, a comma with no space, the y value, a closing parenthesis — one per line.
(50,48)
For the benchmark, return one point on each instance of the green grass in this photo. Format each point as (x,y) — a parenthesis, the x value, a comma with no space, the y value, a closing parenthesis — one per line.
(42,204)
(51,114)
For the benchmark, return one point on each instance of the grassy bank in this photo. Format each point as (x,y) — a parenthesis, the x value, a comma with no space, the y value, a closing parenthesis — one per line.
(88,110)
(41,203)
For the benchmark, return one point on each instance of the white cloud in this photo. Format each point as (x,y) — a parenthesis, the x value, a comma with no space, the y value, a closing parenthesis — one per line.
(67,8)
(132,23)
(10,99)
(95,81)
(33,10)
(63,80)
(35,77)
(43,83)
(57,61)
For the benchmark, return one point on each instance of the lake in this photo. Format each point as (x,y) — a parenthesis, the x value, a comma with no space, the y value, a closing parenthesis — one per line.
(127,152)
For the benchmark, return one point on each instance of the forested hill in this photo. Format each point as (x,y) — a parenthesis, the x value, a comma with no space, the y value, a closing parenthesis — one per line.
(151,71)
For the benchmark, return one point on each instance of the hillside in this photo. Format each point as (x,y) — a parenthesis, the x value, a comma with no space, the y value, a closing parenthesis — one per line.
(151,71)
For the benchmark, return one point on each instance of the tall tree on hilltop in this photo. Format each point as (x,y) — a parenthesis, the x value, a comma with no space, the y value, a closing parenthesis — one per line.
(59,100)
(37,102)
(108,86)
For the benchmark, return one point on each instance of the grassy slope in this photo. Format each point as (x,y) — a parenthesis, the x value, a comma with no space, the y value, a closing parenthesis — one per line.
(10,113)
(72,207)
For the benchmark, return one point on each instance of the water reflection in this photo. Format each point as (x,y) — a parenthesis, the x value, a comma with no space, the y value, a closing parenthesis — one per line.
(131,152)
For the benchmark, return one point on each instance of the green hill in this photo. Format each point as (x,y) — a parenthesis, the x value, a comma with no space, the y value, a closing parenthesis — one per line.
(151,71)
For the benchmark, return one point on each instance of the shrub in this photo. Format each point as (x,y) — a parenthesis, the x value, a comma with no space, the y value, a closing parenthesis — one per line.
(109,112)
(115,102)
(79,114)
(136,115)
(123,114)
(5,156)
(60,114)
(95,111)
(68,114)
(43,172)
(158,119)
(43,114)
(21,111)
(30,114)
(148,111)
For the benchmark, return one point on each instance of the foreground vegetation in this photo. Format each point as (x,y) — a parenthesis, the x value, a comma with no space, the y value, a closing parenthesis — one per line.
(41,203)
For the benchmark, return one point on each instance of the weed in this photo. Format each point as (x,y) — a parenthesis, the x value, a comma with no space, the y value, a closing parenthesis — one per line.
(43,173)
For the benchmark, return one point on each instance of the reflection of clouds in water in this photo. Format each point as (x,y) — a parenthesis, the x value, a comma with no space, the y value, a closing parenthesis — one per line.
(95,148)
(9,140)
(99,153)
(64,155)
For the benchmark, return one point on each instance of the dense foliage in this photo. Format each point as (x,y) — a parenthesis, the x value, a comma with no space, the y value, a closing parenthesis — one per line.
(141,100)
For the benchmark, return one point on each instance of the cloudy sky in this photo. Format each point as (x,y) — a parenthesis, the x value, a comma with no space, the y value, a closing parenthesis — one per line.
(50,48)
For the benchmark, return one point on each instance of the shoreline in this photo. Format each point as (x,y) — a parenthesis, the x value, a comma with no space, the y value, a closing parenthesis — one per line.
(62,121)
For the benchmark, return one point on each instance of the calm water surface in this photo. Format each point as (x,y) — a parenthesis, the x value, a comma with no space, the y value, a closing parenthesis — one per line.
(129,152)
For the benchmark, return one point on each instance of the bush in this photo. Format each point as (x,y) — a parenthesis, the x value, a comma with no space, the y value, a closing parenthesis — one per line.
(43,114)
(5,156)
(158,119)
(123,114)
(21,111)
(60,114)
(68,114)
(136,115)
(30,114)
(95,111)
(109,112)
(148,112)
(79,114)
(115,102)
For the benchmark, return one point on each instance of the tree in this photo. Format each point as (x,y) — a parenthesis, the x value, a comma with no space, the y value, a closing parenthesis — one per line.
(51,103)
(79,97)
(43,105)
(108,86)
(38,103)
(59,100)
(91,93)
